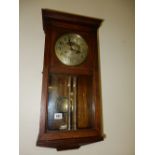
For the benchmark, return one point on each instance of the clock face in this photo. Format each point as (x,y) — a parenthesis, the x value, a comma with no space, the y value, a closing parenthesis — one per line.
(71,49)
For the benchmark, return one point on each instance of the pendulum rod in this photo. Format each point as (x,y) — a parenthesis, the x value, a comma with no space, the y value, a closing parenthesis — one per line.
(69,103)
(74,102)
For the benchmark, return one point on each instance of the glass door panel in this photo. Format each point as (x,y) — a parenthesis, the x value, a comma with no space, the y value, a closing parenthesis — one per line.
(69,102)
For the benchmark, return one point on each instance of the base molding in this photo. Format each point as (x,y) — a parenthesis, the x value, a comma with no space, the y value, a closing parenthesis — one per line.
(65,144)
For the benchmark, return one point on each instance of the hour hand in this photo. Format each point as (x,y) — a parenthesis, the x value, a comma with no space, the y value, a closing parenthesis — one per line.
(77,51)
(69,42)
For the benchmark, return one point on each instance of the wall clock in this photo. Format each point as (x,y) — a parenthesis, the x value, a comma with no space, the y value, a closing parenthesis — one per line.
(71,110)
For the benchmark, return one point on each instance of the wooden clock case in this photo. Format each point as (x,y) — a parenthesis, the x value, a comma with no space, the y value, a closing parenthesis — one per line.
(89,109)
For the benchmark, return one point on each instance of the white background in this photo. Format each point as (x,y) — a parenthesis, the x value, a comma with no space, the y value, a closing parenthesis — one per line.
(116,44)
(145,78)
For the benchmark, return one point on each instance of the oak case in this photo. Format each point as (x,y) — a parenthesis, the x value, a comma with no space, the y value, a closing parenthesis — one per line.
(77,88)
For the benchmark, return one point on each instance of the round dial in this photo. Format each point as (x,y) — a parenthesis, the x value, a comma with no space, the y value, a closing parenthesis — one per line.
(71,49)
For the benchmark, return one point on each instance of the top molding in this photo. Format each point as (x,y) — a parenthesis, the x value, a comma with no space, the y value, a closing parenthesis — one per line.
(52,15)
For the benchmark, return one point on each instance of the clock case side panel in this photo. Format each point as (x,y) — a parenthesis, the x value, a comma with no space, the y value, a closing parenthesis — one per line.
(44,93)
(97,89)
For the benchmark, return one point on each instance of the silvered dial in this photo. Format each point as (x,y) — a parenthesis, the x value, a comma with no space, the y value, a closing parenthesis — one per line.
(71,49)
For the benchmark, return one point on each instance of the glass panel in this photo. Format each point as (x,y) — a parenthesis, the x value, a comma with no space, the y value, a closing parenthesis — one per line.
(84,102)
(69,102)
